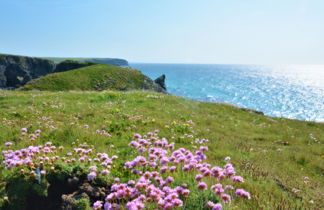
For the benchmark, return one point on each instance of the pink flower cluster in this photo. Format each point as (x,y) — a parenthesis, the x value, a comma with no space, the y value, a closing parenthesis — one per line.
(154,168)
(32,136)
(46,155)
(103,132)
(242,193)
(161,157)
(150,187)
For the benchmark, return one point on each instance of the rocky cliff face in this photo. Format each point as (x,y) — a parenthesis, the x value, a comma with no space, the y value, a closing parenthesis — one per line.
(16,71)
(149,84)
(161,82)
(109,61)
(70,64)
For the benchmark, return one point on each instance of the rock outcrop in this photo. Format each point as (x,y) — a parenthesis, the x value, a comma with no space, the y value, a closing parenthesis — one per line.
(16,71)
(149,84)
(161,82)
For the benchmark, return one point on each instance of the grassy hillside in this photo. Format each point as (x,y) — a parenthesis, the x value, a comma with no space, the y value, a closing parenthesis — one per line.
(280,160)
(94,77)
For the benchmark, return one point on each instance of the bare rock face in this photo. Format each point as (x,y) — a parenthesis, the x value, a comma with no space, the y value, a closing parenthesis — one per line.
(149,84)
(109,61)
(71,64)
(161,82)
(16,71)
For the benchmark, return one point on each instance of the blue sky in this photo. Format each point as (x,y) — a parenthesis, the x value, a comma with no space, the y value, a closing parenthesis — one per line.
(167,31)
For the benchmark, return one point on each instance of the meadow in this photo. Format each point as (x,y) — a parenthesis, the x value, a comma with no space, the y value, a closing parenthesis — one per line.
(150,150)
(96,77)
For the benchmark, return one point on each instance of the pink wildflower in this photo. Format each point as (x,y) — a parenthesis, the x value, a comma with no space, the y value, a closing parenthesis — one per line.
(108,206)
(237,179)
(104,172)
(217,206)
(131,182)
(242,193)
(227,159)
(177,202)
(229,187)
(202,186)
(169,179)
(97,205)
(173,168)
(8,144)
(92,175)
(199,177)
(202,148)
(209,204)
(226,198)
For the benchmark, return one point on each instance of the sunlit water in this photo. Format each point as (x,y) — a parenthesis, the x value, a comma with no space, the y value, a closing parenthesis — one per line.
(295,92)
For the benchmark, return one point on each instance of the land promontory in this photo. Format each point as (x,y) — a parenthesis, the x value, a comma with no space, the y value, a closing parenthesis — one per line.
(16,71)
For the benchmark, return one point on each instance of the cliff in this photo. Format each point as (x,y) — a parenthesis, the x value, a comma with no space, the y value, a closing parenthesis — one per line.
(109,61)
(16,71)
(71,64)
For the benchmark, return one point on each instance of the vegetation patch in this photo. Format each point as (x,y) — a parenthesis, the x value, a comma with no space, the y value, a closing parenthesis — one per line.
(83,150)
(94,77)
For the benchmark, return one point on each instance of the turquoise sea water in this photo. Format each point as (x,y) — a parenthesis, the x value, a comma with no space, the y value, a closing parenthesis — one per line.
(292,91)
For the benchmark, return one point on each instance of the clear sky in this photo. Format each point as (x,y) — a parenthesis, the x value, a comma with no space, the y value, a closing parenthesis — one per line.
(167,31)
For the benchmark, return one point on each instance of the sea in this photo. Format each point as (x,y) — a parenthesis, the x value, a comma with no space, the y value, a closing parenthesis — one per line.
(289,91)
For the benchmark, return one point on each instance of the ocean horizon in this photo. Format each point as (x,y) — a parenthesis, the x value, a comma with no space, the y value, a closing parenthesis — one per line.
(290,91)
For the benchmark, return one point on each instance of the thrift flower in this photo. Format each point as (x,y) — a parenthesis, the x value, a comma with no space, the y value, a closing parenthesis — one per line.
(217,206)
(227,159)
(226,198)
(92,175)
(104,172)
(97,205)
(237,179)
(199,177)
(8,144)
(202,186)
(242,193)
(209,204)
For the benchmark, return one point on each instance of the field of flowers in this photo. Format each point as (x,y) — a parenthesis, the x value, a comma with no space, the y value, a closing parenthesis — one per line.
(142,150)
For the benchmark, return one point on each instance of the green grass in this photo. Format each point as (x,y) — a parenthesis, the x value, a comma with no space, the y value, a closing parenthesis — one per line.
(94,77)
(272,154)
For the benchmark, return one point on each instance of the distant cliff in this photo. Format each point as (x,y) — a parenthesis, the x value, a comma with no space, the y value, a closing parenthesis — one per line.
(71,64)
(109,61)
(16,71)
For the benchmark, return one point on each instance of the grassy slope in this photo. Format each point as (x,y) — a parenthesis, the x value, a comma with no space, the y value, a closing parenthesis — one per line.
(253,141)
(95,77)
